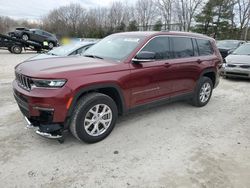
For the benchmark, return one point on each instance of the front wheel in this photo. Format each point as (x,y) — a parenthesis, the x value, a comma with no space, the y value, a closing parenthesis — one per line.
(203,92)
(94,117)
(51,45)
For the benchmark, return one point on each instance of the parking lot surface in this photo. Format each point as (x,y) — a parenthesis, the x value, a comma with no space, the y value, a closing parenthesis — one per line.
(174,145)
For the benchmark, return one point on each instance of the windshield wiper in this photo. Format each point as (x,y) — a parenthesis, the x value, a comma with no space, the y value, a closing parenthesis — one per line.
(92,56)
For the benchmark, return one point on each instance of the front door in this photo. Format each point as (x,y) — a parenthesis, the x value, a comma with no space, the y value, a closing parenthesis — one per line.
(150,80)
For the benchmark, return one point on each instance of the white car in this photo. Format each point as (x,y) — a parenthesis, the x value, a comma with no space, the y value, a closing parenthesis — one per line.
(238,63)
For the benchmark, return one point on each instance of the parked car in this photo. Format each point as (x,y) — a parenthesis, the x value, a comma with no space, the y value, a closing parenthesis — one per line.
(36,35)
(76,48)
(227,46)
(121,73)
(238,63)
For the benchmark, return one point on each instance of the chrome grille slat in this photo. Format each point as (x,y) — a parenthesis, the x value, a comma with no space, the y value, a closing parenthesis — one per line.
(23,81)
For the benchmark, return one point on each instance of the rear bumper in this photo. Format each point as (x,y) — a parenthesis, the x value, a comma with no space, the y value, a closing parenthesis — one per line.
(42,106)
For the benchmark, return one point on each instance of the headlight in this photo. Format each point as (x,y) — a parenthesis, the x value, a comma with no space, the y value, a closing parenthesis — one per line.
(48,83)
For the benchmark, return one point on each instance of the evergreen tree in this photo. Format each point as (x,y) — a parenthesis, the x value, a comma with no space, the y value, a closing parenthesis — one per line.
(215,17)
(158,25)
(132,26)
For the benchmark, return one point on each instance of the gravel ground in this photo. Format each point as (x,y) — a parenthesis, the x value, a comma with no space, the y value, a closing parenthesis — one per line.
(175,145)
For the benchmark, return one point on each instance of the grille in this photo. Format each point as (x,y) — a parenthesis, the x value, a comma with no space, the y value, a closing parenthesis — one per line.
(245,66)
(231,65)
(23,81)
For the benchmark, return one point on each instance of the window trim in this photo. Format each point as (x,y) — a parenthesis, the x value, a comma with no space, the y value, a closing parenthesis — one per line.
(191,37)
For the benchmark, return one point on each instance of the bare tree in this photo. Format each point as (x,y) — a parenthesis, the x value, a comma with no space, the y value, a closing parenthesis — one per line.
(242,9)
(165,7)
(116,14)
(186,10)
(65,20)
(146,12)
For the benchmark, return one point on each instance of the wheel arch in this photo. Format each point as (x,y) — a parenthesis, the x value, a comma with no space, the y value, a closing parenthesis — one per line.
(210,73)
(25,33)
(110,89)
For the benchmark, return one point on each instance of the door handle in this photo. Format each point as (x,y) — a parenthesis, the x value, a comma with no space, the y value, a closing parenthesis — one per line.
(167,65)
(199,61)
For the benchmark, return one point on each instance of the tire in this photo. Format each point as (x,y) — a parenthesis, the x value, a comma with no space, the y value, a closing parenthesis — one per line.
(9,49)
(84,122)
(25,37)
(197,100)
(51,45)
(16,49)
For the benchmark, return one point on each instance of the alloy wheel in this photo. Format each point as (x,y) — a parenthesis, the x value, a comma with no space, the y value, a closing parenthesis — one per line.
(98,119)
(205,92)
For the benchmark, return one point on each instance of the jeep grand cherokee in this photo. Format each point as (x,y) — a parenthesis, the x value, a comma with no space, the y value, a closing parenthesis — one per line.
(122,72)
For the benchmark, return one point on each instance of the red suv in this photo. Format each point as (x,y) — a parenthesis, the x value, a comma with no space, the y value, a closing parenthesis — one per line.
(122,72)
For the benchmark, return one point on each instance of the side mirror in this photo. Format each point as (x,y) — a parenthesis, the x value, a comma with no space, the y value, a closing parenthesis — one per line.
(144,56)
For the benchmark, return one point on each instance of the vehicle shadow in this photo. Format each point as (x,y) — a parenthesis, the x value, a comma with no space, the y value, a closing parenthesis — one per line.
(132,118)
(237,79)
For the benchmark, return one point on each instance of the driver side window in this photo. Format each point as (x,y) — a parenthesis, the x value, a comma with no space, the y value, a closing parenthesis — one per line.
(160,46)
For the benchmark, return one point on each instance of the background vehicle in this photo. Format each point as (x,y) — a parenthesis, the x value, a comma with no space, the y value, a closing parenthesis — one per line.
(66,50)
(119,74)
(238,63)
(16,46)
(36,35)
(227,46)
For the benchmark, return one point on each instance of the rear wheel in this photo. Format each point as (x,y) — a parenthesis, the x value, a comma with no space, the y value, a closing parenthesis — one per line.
(94,117)
(16,49)
(9,49)
(203,92)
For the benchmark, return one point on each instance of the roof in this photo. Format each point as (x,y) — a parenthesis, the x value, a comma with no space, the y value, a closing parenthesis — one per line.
(156,33)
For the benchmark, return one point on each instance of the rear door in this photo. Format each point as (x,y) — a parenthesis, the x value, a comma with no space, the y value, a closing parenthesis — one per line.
(37,36)
(186,64)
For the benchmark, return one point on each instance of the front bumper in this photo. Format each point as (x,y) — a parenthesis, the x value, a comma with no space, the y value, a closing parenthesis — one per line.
(43,106)
(235,72)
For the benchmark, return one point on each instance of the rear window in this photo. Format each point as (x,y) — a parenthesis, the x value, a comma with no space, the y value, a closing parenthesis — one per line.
(205,47)
(182,47)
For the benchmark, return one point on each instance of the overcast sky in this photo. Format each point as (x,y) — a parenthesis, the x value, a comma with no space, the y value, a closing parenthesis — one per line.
(35,9)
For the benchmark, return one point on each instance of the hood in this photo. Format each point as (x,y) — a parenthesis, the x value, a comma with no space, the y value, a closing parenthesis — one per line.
(41,56)
(61,66)
(224,49)
(238,59)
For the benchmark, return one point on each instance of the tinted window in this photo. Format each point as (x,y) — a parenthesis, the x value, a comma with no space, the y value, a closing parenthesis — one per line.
(46,34)
(204,46)
(159,45)
(182,47)
(38,32)
(81,50)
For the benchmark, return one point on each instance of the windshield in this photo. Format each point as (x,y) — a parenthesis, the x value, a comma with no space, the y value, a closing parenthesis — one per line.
(115,47)
(64,50)
(242,50)
(227,44)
